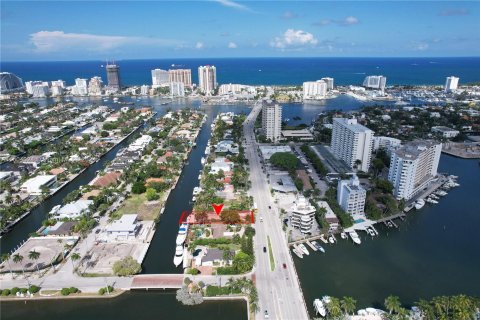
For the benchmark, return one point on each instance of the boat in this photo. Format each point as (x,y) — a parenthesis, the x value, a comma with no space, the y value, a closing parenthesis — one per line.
(441,193)
(297,252)
(55,209)
(318,246)
(389,224)
(202,161)
(207,150)
(178,258)
(331,239)
(355,237)
(302,247)
(343,235)
(200,177)
(370,232)
(419,204)
(322,237)
(182,234)
(311,246)
(194,198)
(429,200)
(319,307)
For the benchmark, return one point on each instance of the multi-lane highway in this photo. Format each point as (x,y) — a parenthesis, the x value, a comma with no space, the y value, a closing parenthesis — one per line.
(280,295)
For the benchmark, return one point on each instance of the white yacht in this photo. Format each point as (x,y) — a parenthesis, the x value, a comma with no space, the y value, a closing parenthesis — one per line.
(389,224)
(355,237)
(182,234)
(311,245)
(343,235)
(319,307)
(178,258)
(318,246)
(419,204)
(302,247)
(194,199)
(196,190)
(297,252)
(370,232)
(202,160)
(207,150)
(331,239)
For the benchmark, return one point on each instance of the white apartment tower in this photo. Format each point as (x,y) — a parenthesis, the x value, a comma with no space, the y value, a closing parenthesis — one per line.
(207,79)
(375,82)
(351,196)
(95,86)
(451,84)
(314,89)
(271,120)
(329,82)
(80,88)
(177,89)
(413,166)
(144,90)
(352,142)
(180,75)
(303,215)
(159,78)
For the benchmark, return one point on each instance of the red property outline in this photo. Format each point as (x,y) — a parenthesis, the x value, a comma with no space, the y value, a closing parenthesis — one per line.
(185,214)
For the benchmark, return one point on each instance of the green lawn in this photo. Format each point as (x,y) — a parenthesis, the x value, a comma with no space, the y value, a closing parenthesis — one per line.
(270,254)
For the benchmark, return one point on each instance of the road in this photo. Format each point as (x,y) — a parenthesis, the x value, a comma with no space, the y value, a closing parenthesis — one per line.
(279,290)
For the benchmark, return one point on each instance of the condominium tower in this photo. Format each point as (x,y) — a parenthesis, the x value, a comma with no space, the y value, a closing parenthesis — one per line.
(375,82)
(271,120)
(351,196)
(180,75)
(314,89)
(113,77)
(352,143)
(303,215)
(160,78)
(451,84)
(329,82)
(413,166)
(207,78)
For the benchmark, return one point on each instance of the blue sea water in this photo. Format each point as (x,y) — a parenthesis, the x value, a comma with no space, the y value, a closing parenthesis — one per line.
(271,71)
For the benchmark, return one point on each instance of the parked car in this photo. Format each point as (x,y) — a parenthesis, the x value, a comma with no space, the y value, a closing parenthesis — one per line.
(284,266)
(264,249)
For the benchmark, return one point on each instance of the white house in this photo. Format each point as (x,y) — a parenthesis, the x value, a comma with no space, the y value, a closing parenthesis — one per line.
(74,210)
(123,229)
(34,185)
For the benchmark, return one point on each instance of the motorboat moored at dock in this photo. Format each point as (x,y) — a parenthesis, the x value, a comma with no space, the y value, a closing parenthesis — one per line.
(297,252)
(318,246)
(178,258)
(302,247)
(182,234)
(355,237)
(343,235)
(311,245)
(319,307)
(419,204)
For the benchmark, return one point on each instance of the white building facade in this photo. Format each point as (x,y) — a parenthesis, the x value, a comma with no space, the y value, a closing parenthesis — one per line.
(177,89)
(303,215)
(272,121)
(351,196)
(95,86)
(386,143)
(159,78)
(375,82)
(413,166)
(352,142)
(451,83)
(80,88)
(180,75)
(314,89)
(207,79)
(329,82)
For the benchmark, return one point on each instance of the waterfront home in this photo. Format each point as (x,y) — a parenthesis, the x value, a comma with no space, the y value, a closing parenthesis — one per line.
(35,160)
(221,163)
(330,216)
(225,146)
(108,179)
(123,229)
(34,186)
(214,257)
(74,210)
(7,176)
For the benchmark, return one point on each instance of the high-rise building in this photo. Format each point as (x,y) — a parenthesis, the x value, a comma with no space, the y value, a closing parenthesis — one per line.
(451,84)
(177,89)
(159,78)
(386,143)
(329,82)
(303,215)
(40,90)
(180,75)
(375,82)
(271,120)
(59,83)
(352,143)
(413,166)
(351,196)
(113,77)
(144,90)
(314,89)
(207,79)
(80,88)
(56,90)
(10,83)
(30,84)
(95,86)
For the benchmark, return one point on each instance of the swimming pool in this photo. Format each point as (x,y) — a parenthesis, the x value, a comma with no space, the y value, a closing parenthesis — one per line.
(359,220)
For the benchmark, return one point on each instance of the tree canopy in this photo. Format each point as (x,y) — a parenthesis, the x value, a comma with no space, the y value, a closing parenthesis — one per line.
(284,160)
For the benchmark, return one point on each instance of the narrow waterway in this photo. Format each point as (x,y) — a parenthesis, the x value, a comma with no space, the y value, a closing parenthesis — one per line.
(434,252)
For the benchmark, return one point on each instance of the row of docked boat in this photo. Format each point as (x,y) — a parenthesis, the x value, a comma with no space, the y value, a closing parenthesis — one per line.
(300,249)
(180,250)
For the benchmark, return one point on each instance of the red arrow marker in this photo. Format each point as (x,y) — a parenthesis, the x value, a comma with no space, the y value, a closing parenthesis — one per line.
(217,207)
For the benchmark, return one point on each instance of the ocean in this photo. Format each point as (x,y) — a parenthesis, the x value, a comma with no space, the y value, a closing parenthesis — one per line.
(269,71)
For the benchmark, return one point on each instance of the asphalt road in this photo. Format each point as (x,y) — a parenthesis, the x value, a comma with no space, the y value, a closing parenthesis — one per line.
(279,290)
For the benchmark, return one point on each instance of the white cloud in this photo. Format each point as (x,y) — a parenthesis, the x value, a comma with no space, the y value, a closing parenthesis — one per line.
(420,46)
(233,4)
(347,21)
(232,45)
(54,41)
(199,45)
(294,39)
(289,15)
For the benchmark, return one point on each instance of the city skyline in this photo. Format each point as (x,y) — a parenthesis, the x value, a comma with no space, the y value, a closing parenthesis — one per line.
(233,29)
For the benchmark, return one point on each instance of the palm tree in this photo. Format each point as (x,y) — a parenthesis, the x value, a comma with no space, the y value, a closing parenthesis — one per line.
(392,303)
(74,257)
(18,258)
(333,308)
(442,306)
(6,257)
(348,304)
(34,255)
(426,309)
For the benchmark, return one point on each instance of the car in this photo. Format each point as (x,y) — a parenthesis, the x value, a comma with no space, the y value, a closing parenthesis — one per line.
(284,266)
(264,249)
(266,314)
(97,231)
(261,219)
(269,207)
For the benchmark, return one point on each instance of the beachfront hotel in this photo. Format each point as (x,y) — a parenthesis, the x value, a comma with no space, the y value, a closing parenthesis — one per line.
(272,120)
(207,79)
(180,75)
(352,143)
(413,166)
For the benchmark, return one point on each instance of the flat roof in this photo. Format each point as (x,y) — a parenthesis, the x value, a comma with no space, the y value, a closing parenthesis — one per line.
(38,181)
(125,223)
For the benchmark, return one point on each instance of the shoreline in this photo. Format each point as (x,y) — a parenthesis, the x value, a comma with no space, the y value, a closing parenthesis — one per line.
(87,295)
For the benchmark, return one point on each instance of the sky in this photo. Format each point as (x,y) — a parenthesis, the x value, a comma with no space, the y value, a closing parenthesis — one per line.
(90,30)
